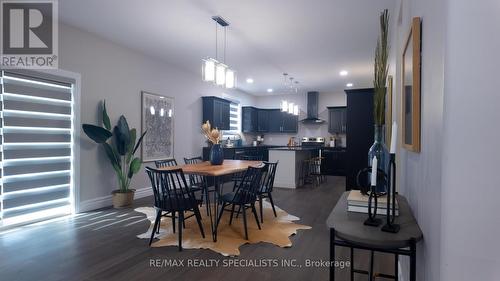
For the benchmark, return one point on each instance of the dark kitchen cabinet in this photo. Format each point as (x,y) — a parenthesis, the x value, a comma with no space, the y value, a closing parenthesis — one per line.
(249,119)
(262,120)
(334,162)
(337,121)
(289,123)
(359,132)
(256,120)
(217,111)
(275,121)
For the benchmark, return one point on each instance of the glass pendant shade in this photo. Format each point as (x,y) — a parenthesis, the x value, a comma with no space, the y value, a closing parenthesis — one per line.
(290,108)
(295,110)
(284,106)
(230,79)
(220,74)
(209,70)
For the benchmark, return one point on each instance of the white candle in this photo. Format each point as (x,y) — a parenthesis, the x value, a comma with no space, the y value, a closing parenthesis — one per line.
(394,137)
(374,171)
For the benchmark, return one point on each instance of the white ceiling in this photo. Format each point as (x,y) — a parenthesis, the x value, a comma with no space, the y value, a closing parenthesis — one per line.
(310,39)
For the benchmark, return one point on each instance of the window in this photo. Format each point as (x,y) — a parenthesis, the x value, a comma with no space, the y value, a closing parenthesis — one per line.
(37,121)
(234,117)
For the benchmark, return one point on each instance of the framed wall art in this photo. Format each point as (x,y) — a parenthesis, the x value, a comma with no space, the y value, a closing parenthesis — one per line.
(411,88)
(158,120)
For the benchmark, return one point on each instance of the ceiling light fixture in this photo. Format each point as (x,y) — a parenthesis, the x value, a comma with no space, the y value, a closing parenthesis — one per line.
(249,80)
(344,73)
(349,85)
(214,70)
(269,90)
(290,86)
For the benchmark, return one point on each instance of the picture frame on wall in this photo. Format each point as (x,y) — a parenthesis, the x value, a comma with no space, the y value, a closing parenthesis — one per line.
(410,88)
(158,119)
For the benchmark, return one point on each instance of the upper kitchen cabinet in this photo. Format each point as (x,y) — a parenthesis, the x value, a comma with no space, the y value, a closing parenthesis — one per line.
(290,123)
(262,120)
(249,121)
(256,120)
(337,121)
(217,111)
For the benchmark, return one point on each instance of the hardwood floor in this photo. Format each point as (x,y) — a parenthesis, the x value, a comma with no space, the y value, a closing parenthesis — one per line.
(102,245)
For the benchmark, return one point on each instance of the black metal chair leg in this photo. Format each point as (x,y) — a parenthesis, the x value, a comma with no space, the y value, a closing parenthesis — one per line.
(173,221)
(245,221)
(232,213)
(261,209)
(370,277)
(272,203)
(181,220)
(157,221)
(221,213)
(198,219)
(207,200)
(239,211)
(254,211)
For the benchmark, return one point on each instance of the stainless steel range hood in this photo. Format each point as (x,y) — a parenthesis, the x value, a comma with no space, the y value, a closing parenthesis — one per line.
(312,109)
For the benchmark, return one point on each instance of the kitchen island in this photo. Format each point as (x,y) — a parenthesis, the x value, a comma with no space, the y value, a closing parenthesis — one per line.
(291,159)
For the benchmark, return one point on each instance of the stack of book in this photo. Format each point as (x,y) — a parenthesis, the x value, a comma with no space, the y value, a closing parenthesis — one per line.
(358,203)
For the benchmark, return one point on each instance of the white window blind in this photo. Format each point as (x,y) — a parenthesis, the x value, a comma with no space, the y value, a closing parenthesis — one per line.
(37,148)
(234,116)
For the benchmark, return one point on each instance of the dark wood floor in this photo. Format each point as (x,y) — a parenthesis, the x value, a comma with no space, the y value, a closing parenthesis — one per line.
(102,245)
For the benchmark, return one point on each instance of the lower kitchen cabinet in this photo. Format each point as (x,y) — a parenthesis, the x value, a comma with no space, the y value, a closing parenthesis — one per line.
(334,162)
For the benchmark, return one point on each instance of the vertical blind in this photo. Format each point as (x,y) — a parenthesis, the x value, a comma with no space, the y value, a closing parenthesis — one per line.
(37,148)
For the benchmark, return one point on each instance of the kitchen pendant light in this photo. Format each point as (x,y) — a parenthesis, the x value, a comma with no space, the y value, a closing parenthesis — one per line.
(215,71)
(290,86)
(290,108)
(296,110)
(284,106)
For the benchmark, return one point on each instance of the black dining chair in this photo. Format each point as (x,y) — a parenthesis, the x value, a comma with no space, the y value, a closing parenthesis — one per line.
(266,187)
(199,183)
(165,163)
(238,176)
(244,196)
(172,195)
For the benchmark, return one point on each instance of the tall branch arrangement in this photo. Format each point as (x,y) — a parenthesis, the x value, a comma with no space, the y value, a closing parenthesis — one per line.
(381,69)
(213,135)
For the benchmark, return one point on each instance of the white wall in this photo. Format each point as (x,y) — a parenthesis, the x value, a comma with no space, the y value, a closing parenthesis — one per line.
(452,183)
(118,75)
(325,99)
(419,174)
(470,226)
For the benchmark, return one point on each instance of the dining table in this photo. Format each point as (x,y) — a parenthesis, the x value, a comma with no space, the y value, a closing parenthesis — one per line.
(218,173)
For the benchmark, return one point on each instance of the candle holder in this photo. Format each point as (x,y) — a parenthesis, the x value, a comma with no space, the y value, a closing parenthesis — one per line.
(372,216)
(390,226)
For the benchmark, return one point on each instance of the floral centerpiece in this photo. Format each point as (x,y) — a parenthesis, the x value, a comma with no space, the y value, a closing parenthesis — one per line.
(214,136)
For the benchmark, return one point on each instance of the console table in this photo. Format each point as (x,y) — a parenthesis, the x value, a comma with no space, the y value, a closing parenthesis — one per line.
(347,230)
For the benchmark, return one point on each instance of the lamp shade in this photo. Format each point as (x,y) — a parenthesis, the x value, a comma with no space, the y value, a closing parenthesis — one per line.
(220,74)
(230,79)
(208,70)
(284,106)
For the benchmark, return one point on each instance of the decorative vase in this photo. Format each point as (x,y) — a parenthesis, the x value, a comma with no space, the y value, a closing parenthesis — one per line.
(216,155)
(122,199)
(379,150)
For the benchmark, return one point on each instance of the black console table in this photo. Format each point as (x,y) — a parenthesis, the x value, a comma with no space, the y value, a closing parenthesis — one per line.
(347,230)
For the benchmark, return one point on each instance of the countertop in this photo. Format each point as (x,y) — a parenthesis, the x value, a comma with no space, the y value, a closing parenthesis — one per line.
(284,147)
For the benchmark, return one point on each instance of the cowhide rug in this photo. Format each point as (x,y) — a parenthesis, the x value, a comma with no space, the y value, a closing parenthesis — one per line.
(275,230)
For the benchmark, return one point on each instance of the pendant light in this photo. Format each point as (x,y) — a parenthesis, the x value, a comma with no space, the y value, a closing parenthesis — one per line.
(215,71)
(290,86)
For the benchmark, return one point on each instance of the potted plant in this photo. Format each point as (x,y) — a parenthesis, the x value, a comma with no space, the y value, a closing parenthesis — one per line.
(216,156)
(120,146)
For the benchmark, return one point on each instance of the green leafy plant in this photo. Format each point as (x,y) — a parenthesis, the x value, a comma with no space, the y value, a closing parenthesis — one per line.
(381,69)
(119,145)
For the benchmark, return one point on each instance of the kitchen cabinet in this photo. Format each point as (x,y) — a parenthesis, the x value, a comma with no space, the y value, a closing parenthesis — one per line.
(337,121)
(256,120)
(217,111)
(334,162)
(290,123)
(359,135)
(262,120)
(249,119)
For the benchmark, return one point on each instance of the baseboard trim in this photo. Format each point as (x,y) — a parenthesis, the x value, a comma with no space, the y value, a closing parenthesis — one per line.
(105,201)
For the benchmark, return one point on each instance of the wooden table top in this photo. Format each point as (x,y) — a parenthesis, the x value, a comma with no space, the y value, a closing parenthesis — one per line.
(228,167)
